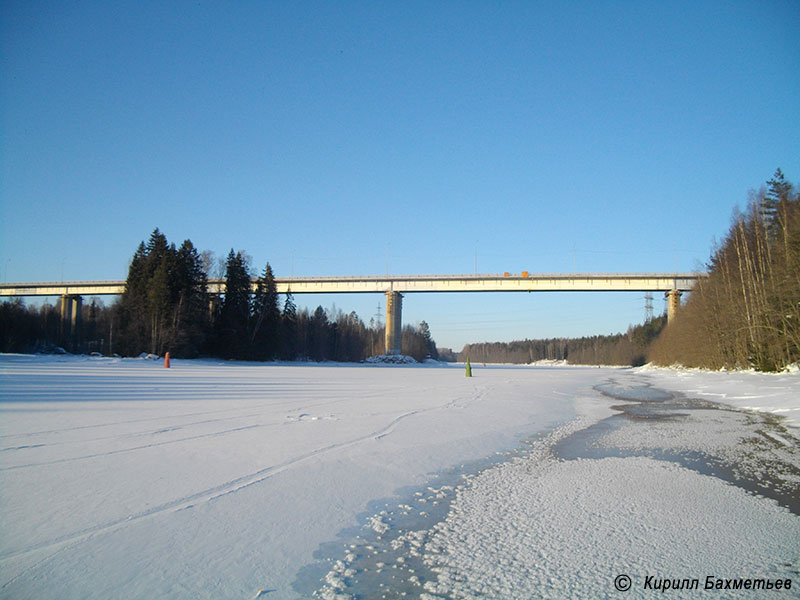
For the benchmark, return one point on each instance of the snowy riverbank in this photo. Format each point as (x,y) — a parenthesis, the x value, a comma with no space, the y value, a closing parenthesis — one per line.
(220,480)
(776,393)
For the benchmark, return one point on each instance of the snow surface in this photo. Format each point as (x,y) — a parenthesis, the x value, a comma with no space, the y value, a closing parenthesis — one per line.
(777,393)
(596,519)
(216,479)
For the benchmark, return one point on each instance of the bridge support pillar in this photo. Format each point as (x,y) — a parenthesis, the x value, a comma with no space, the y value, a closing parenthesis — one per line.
(70,320)
(673,304)
(394,323)
(213,305)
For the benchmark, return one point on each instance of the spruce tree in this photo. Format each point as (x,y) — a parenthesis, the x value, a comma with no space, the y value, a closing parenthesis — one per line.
(132,307)
(159,300)
(776,198)
(165,303)
(425,332)
(190,311)
(288,329)
(319,335)
(266,317)
(232,324)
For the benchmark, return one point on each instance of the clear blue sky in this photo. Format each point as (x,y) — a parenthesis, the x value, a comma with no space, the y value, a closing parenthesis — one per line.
(348,138)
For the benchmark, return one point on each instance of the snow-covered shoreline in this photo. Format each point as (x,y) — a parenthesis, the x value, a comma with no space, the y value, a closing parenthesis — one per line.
(775,393)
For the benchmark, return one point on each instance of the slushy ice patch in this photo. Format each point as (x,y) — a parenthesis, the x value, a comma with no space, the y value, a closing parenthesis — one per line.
(385,557)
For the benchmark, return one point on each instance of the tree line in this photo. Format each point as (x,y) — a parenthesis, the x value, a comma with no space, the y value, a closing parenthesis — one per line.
(628,348)
(167,307)
(746,313)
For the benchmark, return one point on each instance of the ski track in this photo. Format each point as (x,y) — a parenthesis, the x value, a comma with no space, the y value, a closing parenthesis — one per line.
(266,405)
(213,493)
(133,435)
(135,448)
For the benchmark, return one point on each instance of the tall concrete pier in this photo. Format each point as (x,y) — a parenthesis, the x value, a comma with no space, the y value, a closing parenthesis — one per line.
(70,319)
(673,304)
(214,302)
(394,323)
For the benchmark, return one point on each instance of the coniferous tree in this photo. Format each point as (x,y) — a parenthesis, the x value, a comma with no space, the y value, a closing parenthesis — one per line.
(774,202)
(303,338)
(133,305)
(153,297)
(319,335)
(17,327)
(266,317)
(159,297)
(288,329)
(425,332)
(190,313)
(233,323)
(165,302)
(413,344)
(352,338)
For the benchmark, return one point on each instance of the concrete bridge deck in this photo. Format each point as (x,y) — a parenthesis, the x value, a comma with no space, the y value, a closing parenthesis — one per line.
(534,282)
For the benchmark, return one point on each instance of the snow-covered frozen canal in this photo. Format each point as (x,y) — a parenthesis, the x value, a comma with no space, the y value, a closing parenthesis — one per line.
(122,479)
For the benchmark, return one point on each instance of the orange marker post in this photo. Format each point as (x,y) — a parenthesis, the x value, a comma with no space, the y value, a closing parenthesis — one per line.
(166,360)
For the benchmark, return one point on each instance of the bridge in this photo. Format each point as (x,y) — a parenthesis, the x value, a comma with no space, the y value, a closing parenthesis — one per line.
(394,286)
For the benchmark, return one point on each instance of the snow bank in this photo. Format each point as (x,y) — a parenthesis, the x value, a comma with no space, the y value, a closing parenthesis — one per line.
(776,393)
(391,359)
